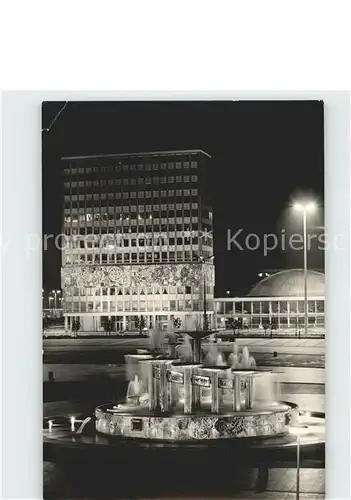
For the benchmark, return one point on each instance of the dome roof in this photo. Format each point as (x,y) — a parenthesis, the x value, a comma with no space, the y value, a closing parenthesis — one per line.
(290,284)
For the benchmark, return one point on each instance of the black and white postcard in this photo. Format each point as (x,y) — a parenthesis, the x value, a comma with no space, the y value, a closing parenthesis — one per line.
(183,299)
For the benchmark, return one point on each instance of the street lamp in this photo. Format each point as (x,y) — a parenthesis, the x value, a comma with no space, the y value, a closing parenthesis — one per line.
(304,208)
(56,292)
(298,431)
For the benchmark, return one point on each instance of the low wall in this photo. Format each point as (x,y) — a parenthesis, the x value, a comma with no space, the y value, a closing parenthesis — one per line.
(79,372)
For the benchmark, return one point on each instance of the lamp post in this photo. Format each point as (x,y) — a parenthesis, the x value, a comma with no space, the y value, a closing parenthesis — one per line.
(50,299)
(298,431)
(56,292)
(304,208)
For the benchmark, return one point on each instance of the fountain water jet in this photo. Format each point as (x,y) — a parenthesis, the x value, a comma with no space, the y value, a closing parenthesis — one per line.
(182,399)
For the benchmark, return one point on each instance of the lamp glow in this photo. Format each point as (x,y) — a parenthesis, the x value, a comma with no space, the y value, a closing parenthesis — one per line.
(311,207)
(298,206)
(308,207)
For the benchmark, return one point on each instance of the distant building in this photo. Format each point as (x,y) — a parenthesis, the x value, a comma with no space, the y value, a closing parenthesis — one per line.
(138,240)
(278,301)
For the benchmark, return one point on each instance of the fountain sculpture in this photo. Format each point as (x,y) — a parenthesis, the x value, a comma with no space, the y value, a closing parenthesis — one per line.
(185,398)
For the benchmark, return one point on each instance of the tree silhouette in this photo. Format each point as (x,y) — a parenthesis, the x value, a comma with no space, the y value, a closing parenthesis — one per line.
(177,323)
(140,324)
(108,327)
(75,326)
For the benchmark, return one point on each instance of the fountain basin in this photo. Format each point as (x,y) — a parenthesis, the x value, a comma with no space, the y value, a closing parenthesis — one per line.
(273,420)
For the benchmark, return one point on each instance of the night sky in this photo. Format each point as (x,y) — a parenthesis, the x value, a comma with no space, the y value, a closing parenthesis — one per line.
(265,155)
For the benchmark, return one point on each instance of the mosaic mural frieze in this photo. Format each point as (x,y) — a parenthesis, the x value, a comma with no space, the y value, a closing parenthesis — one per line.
(191,274)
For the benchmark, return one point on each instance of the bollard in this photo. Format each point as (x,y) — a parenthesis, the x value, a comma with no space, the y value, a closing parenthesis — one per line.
(51,376)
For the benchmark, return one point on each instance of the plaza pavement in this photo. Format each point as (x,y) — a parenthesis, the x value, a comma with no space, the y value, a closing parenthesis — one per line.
(283,345)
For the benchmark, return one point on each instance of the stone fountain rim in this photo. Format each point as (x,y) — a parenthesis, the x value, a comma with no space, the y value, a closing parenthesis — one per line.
(282,406)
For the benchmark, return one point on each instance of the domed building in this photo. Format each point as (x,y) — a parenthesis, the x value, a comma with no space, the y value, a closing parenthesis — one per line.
(277,303)
(290,283)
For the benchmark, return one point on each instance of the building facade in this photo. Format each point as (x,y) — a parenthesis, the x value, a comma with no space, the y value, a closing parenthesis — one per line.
(278,313)
(277,302)
(138,242)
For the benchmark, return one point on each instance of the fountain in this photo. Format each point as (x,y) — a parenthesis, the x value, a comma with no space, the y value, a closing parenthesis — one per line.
(183,398)
(219,406)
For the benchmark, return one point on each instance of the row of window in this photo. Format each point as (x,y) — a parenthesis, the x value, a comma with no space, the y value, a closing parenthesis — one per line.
(269,307)
(132,181)
(125,291)
(132,219)
(120,167)
(119,241)
(137,305)
(111,228)
(142,209)
(282,321)
(134,257)
(114,214)
(170,193)
(135,208)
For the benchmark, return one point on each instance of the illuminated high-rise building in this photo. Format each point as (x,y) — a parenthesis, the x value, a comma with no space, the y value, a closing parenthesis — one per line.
(138,241)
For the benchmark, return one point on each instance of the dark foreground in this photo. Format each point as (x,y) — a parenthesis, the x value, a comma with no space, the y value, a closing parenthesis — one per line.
(186,474)
(133,471)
